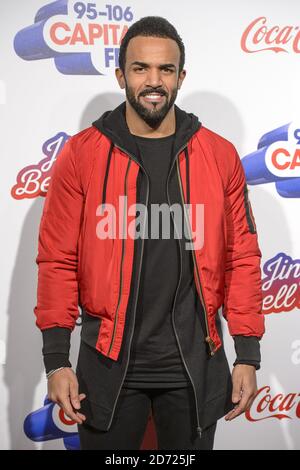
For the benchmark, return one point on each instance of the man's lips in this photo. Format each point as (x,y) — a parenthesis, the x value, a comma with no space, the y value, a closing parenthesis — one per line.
(153,98)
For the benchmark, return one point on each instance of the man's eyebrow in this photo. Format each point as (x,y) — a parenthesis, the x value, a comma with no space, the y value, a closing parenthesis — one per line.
(144,64)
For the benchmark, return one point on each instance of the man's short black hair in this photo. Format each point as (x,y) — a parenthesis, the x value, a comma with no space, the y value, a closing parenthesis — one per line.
(156,26)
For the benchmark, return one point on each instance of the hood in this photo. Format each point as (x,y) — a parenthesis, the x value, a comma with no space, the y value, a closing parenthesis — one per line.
(113,124)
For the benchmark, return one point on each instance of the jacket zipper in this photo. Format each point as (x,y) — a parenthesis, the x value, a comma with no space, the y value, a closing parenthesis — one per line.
(208,338)
(139,275)
(199,429)
(122,259)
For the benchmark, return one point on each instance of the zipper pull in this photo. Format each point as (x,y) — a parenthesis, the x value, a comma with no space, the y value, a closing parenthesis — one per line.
(211,345)
(199,431)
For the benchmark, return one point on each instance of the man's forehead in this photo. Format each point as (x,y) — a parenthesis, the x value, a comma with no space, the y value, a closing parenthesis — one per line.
(151,50)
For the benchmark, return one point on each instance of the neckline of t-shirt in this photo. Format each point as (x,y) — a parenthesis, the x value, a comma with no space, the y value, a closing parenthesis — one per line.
(150,139)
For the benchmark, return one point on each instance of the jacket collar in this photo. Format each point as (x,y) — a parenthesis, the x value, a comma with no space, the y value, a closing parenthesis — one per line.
(113,124)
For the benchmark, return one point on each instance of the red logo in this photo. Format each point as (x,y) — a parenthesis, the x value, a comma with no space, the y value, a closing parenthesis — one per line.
(280,406)
(33,180)
(258,36)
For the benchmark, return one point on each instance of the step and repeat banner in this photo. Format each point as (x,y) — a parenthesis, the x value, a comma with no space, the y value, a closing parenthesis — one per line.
(57,76)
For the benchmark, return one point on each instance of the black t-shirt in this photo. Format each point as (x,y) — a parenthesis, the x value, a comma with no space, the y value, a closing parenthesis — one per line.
(155,359)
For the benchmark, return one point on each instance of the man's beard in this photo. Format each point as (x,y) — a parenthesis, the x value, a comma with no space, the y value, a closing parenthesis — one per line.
(153,117)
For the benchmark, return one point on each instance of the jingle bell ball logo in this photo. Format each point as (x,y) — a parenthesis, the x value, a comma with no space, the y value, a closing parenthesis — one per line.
(281,283)
(277,160)
(83,38)
(33,180)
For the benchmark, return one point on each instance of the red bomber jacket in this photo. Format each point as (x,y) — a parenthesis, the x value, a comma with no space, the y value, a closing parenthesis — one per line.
(76,267)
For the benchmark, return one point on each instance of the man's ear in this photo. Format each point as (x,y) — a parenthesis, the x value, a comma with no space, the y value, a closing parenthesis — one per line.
(181,78)
(120,77)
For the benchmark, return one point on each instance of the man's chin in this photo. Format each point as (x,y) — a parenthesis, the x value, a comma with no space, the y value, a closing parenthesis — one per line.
(151,112)
(150,108)
(152,115)
(152,119)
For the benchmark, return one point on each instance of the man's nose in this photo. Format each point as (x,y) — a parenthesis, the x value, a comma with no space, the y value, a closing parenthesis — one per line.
(154,78)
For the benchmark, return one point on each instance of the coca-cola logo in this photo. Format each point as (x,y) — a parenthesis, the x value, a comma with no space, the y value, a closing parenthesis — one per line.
(259,36)
(33,180)
(281,285)
(279,406)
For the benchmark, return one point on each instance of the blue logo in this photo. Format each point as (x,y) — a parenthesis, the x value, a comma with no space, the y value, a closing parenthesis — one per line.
(49,423)
(277,160)
(82,38)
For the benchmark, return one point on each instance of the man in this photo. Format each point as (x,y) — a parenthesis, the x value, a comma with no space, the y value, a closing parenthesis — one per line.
(151,337)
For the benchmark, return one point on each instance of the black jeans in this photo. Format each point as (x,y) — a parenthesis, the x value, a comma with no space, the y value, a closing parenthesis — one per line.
(174,416)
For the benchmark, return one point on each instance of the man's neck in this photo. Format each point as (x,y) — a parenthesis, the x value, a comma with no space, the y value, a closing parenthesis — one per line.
(139,127)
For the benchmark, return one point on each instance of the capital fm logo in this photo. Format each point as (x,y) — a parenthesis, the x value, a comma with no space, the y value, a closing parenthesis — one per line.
(33,180)
(83,38)
(276,160)
(260,36)
(50,423)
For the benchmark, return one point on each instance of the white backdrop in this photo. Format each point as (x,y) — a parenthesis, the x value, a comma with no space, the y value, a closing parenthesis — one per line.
(243,65)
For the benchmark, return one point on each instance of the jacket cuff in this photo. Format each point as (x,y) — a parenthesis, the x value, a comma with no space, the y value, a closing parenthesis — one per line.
(56,347)
(56,340)
(54,361)
(247,350)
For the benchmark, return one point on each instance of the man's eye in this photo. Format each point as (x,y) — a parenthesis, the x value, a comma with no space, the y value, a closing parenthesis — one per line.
(139,68)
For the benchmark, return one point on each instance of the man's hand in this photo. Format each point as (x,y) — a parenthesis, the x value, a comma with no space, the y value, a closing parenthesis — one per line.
(63,390)
(244,389)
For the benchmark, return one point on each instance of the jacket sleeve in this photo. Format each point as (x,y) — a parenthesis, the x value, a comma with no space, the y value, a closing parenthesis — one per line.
(242,306)
(56,309)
